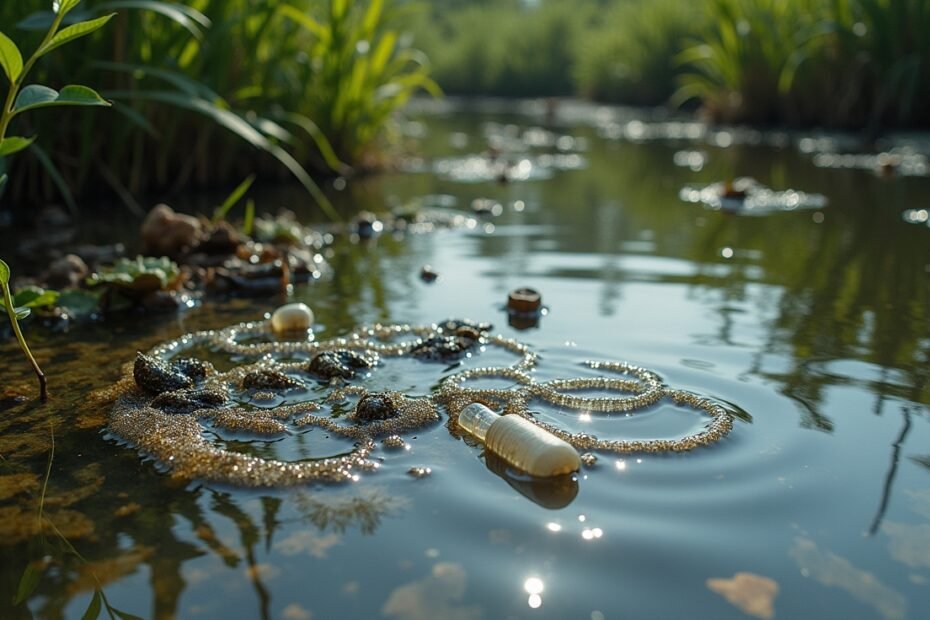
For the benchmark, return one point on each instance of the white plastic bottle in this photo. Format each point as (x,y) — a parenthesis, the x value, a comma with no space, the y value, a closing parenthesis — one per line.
(520,442)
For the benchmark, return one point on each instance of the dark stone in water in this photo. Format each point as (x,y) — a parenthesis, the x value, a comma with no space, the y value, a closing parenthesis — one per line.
(156,376)
(188,401)
(447,349)
(342,363)
(269,380)
(192,368)
(375,407)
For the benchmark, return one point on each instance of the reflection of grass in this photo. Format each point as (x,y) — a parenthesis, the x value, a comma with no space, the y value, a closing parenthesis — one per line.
(32,574)
(339,513)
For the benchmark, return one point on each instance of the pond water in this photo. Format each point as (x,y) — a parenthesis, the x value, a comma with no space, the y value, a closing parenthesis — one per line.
(810,325)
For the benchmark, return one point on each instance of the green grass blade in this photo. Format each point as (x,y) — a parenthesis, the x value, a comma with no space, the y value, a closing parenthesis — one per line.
(221,211)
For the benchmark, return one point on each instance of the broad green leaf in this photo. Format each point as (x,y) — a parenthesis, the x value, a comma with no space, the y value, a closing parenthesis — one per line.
(232,199)
(22,313)
(76,31)
(38,96)
(79,302)
(27,583)
(10,58)
(4,272)
(63,6)
(14,144)
(93,610)
(34,297)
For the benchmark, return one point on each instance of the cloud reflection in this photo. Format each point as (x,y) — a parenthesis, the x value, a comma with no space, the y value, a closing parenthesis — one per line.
(438,595)
(910,544)
(752,594)
(832,570)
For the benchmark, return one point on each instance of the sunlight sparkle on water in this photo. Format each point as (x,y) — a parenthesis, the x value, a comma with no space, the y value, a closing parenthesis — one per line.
(553,527)
(534,585)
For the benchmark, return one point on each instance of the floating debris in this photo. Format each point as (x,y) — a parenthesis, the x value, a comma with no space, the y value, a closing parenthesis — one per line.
(379,406)
(268,379)
(748,197)
(428,275)
(394,442)
(588,459)
(419,472)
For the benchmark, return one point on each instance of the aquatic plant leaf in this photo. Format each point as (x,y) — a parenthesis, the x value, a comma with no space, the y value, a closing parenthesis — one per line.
(34,297)
(188,18)
(10,58)
(4,272)
(27,583)
(38,96)
(22,313)
(79,302)
(14,144)
(232,199)
(93,610)
(78,30)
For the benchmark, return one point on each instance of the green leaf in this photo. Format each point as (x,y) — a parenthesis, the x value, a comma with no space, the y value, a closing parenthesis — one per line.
(3,180)
(249,222)
(232,199)
(14,144)
(22,313)
(4,273)
(81,29)
(79,302)
(38,96)
(124,615)
(43,20)
(27,583)
(188,18)
(34,297)
(63,6)
(93,610)
(10,58)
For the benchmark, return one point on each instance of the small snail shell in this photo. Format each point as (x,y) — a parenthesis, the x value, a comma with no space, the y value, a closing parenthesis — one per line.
(292,318)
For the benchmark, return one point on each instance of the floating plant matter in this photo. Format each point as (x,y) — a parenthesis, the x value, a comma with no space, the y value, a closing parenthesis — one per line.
(166,405)
(749,197)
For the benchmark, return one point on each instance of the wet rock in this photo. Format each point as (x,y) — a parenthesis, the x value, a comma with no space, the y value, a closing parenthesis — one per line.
(156,376)
(68,271)
(525,300)
(448,349)
(342,364)
(166,233)
(246,279)
(270,380)
(188,401)
(375,407)
(427,274)
(192,368)
(221,239)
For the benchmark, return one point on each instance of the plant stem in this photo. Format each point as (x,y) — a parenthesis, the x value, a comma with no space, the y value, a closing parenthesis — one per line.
(8,302)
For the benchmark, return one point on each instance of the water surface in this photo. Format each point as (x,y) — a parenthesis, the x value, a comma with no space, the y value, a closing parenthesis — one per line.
(812,326)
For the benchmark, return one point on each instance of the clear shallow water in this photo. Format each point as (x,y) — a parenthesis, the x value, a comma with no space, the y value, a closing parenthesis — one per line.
(813,323)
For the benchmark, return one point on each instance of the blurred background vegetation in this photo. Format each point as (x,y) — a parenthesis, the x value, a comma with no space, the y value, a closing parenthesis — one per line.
(207,92)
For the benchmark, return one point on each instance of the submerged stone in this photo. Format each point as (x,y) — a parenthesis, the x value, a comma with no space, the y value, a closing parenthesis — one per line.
(448,348)
(156,376)
(188,401)
(341,363)
(269,380)
(376,407)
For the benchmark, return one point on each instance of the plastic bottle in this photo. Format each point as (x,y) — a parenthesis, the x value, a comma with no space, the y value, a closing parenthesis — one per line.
(520,442)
